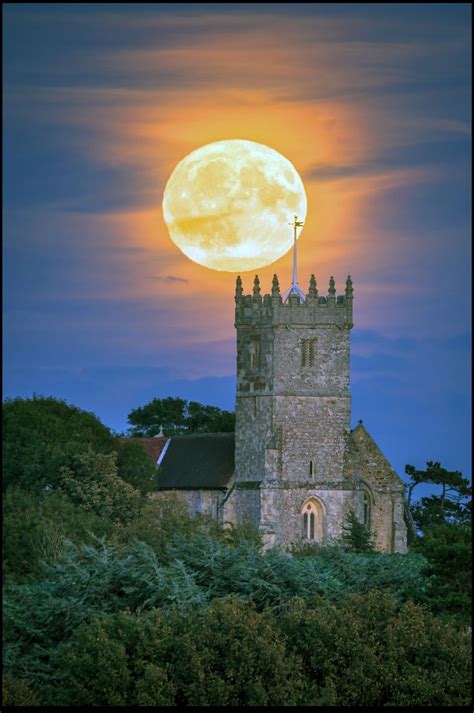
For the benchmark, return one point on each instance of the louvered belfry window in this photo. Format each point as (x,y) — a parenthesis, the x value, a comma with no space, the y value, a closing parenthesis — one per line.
(308,351)
(254,353)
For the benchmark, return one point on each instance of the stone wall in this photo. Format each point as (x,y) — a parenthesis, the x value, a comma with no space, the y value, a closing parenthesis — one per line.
(243,504)
(312,429)
(282,513)
(293,421)
(206,502)
(387,490)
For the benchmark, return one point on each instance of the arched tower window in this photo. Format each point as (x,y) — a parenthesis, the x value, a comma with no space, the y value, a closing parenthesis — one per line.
(366,509)
(311,469)
(312,513)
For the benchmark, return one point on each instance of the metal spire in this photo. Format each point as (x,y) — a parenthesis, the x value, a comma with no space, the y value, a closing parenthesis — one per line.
(294,289)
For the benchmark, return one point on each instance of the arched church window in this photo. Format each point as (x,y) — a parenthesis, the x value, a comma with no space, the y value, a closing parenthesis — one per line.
(311,469)
(312,521)
(366,509)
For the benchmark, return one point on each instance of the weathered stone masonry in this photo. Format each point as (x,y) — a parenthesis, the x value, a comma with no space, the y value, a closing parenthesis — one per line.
(293,445)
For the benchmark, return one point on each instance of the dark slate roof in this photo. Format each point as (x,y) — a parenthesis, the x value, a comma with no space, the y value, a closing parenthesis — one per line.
(198,461)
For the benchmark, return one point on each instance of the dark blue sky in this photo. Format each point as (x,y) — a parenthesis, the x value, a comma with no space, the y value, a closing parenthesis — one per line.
(371,103)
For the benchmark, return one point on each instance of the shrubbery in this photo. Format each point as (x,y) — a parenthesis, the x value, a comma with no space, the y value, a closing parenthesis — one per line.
(207,619)
(35,527)
(116,598)
(366,651)
(225,654)
(43,434)
(448,551)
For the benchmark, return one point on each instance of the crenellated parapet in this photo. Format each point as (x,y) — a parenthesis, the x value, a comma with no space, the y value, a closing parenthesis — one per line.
(315,309)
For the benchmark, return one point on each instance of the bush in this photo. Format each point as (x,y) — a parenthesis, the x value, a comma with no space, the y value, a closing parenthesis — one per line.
(369,652)
(164,518)
(448,550)
(114,660)
(226,654)
(35,527)
(364,652)
(135,466)
(17,692)
(224,603)
(356,537)
(92,483)
(40,435)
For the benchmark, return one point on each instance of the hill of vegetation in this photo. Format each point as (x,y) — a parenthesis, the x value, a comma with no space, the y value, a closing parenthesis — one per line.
(114,598)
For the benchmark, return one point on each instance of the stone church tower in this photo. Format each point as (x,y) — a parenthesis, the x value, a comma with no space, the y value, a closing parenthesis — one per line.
(298,467)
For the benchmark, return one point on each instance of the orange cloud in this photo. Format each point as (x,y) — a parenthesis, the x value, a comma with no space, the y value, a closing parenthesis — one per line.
(301,87)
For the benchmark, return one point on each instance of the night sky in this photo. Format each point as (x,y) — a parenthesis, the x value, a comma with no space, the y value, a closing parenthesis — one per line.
(371,104)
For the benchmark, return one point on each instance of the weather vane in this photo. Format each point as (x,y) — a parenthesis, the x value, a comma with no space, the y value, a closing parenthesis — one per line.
(294,289)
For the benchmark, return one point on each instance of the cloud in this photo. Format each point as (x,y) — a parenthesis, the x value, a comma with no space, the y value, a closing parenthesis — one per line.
(172,278)
(371,105)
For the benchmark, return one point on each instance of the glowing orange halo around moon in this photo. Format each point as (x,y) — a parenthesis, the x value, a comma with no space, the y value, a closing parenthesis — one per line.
(227,205)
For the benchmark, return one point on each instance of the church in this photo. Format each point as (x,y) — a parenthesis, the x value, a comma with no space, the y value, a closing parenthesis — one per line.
(294,467)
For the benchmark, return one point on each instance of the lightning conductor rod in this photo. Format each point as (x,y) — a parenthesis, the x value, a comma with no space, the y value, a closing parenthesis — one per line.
(296,224)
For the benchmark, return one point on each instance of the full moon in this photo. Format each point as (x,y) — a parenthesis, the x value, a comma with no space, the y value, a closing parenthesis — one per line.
(227,205)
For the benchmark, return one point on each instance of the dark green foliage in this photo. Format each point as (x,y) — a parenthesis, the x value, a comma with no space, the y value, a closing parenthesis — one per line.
(367,651)
(168,610)
(208,419)
(230,655)
(66,636)
(356,537)
(306,549)
(364,651)
(453,504)
(436,510)
(167,414)
(444,521)
(92,482)
(161,520)
(175,416)
(198,568)
(40,435)
(17,692)
(135,467)
(35,526)
(226,654)
(448,550)
(117,660)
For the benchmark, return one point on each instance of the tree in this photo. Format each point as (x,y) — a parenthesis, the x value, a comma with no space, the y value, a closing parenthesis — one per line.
(448,550)
(356,536)
(17,692)
(43,434)
(369,651)
(174,416)
(35,527)
(451,505)
(226,654)
(93,484)
(209,419)
(135,467)
(445,523)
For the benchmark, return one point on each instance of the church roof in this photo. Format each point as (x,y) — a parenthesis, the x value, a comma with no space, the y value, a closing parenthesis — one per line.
(197,461)
(153,446)
(205,461)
